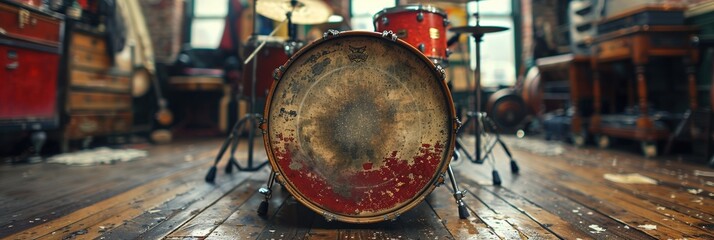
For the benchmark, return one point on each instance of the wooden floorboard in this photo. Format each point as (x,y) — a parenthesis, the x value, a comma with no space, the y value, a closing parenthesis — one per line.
(244,222)
(205,222)
(51,197)
(418,223)
(444,206)
(557,195)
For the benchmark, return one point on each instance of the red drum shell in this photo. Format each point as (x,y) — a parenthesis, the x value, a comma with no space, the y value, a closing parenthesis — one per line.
(271,56)
(430,31)
(359,127)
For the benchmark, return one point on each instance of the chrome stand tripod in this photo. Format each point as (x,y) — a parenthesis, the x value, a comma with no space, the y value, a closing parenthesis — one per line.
(251,119)
(478,118)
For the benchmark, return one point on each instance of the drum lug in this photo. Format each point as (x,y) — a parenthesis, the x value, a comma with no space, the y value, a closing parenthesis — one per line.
(446,22)
(457,124)
(420,16)
(330,33)
(263,125)
(385,21)
(442,72)
(389,35)
(440,180)
(278,73)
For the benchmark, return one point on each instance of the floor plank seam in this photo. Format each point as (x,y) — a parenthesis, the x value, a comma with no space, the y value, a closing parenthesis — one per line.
(246,181)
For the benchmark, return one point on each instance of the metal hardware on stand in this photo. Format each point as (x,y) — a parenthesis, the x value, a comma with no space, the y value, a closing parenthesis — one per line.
(268,192)
(478,118)
(458,194)
(251,118)
(291,46)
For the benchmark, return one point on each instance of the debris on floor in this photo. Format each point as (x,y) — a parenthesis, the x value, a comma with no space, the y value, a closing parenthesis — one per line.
(703,173)
(629,178)
(97,156)
(596,228)
(648,227)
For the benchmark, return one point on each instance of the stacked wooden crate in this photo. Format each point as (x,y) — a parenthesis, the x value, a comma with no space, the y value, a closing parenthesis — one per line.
(98,96)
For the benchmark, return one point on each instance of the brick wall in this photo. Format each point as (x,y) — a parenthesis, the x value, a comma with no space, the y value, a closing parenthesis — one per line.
(164,19)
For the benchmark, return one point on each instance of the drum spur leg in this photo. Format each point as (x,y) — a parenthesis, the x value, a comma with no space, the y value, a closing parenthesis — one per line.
(268,192)
(458,195)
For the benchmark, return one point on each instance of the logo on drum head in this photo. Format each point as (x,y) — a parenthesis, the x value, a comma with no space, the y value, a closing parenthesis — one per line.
(357,54)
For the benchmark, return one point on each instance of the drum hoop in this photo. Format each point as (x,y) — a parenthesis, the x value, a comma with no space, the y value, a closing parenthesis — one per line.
(410,8)
(408,205)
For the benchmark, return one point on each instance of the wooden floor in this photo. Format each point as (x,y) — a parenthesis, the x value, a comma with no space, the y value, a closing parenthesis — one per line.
(560,193)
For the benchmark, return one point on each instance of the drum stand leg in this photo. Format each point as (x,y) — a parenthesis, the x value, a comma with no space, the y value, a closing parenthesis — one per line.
(458,196)
(483,122)
(514,165)
(233,139)
(268,192)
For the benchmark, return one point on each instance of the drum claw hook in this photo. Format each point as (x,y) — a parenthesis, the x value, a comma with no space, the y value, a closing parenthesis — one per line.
(330,33)
(442,72)
(278,73)
(389,35)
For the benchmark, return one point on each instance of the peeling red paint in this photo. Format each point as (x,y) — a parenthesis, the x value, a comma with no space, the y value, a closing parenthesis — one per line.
(366,190)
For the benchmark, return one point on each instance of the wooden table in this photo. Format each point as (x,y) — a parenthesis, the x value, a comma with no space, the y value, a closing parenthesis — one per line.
(639,44)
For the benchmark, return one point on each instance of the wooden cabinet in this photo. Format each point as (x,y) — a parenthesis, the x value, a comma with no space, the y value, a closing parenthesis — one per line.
(638,45)
(30,47)
(566,83)
(98,101)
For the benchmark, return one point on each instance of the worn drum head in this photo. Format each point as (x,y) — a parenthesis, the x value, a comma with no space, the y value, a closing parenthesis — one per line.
(360,127)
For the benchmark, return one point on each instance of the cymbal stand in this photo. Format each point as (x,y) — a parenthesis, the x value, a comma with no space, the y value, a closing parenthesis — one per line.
(234,136)
(292,45)
(479,119)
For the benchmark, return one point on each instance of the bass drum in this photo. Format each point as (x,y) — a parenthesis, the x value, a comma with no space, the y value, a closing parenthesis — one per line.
(359,126)
(532,92)
(507,109)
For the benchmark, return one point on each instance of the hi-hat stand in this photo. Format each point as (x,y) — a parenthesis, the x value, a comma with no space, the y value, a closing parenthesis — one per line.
(478,118)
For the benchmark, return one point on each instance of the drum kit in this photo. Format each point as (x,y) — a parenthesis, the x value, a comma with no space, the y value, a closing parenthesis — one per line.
(358,126)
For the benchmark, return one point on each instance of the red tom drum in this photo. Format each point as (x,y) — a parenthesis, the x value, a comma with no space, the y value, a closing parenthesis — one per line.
(267,59)
(422,26)
(359,126)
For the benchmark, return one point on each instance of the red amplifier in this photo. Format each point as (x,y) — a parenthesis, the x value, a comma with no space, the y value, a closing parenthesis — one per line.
(29,64)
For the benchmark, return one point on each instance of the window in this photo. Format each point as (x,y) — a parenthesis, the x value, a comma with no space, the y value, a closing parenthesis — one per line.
(207,22)
(364,10)
(498,60)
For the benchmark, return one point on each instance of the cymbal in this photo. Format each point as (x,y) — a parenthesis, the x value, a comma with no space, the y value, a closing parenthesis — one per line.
(478,29)
(306,12)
